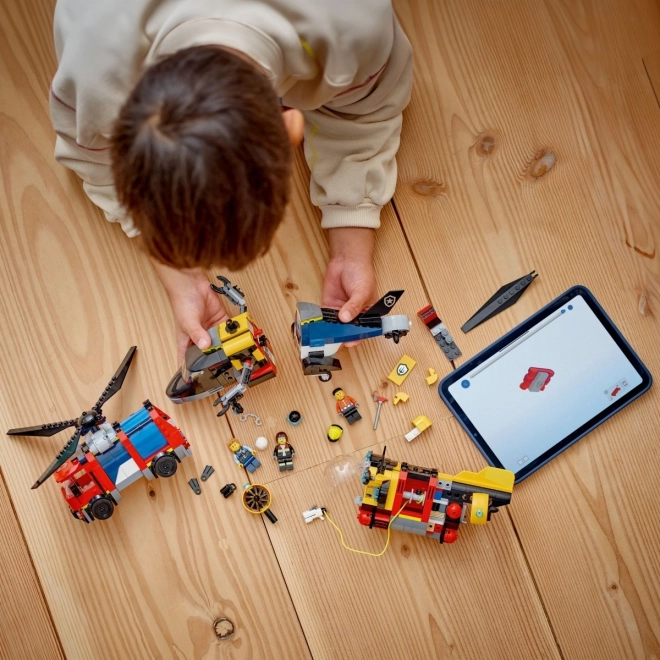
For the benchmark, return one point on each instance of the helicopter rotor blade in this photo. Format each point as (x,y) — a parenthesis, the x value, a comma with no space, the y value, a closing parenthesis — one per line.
(117,380)
(65,454)
(43,430)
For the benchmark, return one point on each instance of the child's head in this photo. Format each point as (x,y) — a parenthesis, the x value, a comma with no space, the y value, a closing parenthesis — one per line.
(202,160)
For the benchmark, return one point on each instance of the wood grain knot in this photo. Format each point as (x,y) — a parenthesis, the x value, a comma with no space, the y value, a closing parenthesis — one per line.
(646,254)
(614,586)
(405,550)
(486,145)
(429,188)
(290,286)
(542,164)
(644,307)
(223,628)
(151,492)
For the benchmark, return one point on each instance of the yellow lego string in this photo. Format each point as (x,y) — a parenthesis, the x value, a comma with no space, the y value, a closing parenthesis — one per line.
(364,552)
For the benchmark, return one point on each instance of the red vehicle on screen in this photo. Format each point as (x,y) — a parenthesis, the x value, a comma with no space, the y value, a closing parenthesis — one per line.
(536,379)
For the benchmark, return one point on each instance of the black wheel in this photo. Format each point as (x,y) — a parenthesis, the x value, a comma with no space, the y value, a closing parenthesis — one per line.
(164,466)
(102,508)
(324,378)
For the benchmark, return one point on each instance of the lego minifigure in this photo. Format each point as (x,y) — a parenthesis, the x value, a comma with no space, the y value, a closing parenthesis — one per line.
(346,406)
(283,452)
(244,456)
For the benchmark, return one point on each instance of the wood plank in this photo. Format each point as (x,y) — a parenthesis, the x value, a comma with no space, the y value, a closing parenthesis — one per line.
(497,86)
(21,598)
(150,581)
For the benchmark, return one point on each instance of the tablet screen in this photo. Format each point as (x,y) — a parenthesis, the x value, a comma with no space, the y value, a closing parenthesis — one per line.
(553,379)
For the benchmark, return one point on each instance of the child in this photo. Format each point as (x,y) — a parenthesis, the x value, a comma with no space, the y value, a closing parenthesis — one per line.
(169,112)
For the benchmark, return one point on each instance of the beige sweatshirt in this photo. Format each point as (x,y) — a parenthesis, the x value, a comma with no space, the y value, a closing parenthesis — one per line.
(345,63)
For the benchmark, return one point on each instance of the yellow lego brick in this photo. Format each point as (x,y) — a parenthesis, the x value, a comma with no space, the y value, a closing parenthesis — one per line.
(242,322)
(432,378)
(394,480)
(490,477)
(422,422)
(400,396)
(403,368)
(237,344)
(258,355)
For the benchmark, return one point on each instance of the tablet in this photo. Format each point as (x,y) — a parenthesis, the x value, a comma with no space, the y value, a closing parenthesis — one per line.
(547,383)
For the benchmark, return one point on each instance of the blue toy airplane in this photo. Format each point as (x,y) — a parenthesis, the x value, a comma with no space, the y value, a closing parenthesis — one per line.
(320,333)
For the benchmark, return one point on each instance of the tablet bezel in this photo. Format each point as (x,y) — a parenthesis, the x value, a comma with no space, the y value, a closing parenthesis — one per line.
(565,443)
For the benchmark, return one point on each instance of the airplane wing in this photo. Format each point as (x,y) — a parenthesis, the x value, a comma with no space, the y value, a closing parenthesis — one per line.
(383,306)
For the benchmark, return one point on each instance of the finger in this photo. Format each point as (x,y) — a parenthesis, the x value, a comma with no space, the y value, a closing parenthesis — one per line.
(201,338)
(197,334)
(182,344)
(354,306)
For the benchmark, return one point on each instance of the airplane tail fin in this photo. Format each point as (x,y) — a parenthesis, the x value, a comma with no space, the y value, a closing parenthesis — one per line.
(384,305)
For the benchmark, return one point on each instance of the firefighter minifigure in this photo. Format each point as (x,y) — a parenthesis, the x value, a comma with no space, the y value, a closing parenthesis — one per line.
(244,456)
(283,452)
(346,406)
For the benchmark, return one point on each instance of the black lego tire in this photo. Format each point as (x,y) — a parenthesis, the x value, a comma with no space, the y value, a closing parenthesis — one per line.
(165,466)
(325,377)
(102,508)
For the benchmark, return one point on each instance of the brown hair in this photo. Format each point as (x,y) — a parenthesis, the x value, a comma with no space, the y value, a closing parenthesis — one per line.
(201,159)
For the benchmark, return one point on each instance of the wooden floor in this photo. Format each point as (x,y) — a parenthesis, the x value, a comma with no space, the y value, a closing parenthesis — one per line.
(570,570)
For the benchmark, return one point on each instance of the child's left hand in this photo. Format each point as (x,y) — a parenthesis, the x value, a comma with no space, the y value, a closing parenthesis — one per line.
(350,283)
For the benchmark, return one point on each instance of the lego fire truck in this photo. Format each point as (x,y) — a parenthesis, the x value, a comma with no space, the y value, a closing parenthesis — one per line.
(102,459)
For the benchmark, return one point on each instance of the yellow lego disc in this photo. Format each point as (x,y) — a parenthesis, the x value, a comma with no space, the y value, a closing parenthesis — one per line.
(479,509)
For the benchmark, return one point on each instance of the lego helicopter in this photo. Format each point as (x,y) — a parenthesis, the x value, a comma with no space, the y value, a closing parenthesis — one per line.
(426,502)
(101,459)
(320,334)
(239,357)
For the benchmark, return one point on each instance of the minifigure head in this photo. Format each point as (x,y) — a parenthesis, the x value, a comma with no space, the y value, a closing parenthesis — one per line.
(234,445)
(338,394)
(281,438)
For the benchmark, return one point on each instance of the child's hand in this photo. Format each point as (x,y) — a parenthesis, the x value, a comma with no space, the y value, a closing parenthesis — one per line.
(350,283)
(195,306)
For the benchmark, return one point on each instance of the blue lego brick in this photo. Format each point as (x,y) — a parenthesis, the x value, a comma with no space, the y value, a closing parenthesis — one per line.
(321,333)
(304,334)
(143,433)
(111,460)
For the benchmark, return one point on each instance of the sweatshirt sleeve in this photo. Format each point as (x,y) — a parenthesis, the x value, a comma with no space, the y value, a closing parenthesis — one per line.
(351,150)
(92,165)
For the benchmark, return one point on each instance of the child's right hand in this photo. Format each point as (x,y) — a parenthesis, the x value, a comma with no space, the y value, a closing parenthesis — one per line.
(195,306)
